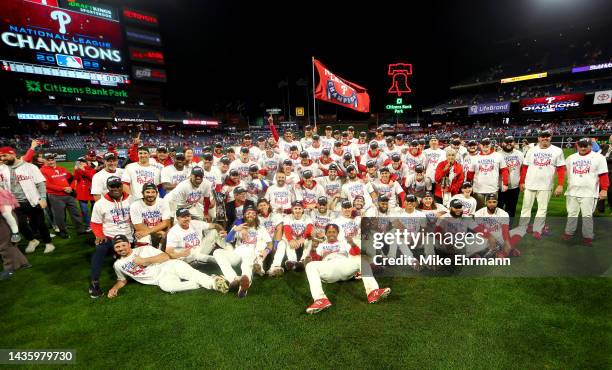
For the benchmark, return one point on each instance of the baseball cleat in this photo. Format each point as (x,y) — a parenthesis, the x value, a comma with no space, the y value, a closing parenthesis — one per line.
(32,246)
(258,269)
(501,254)
(537,235)
(299,266)
(289,265)
(49,248)
(220,284)
(95,291)
(276,271)
(233,286)
(378,295)
(318,306)
(566,236)
(587,242)
(515,252)
(245,283)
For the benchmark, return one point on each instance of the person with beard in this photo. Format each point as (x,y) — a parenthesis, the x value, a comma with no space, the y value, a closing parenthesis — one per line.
(381,209)
(349,147)
(358,207)
(362,144)
(211,173)
(314,151)
(347,160)
(487,172)
(280,195)
(414,157)
(291,178)
(331,185)
(27,184)
(417,184)
(374,154)
(388,188)
(399,171)
(306,164)
(249,236)
(325,162)
(193,240)
(269,163)
(371,172)
(255,184)
(327,141)
(98,181)
(298,234)
(448,178)
(110,217)
(470,156)
(237,205)
(217,153)
(194,193)
(273,223)
(379,139)
(140,173)
(494,223)
(151,218)
(414,222)
(354,187)
(540,165)
(514,159)
(287,142)
(174,174)
(338,260)
(433,156)
(587,181)
(151,266)
(308,191)
(321,216)
(307,140)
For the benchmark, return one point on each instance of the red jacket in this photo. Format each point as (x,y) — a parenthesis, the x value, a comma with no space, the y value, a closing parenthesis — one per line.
(57,179)
(455,185)
(83,183)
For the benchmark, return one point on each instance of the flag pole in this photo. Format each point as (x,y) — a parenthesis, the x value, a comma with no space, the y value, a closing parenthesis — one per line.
(314,99)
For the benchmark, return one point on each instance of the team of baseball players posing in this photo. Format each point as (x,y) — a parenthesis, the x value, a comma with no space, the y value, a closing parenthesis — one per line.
(297,205)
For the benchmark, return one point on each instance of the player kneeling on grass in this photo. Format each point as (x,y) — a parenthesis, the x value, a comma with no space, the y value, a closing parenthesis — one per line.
(249,236)
(150,266)
(338,261)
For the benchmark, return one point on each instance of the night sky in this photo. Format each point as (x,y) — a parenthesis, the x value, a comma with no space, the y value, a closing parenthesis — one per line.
(226,51)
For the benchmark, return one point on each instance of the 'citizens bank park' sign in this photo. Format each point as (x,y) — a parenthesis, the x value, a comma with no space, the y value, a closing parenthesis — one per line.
(548,104)
(46,40)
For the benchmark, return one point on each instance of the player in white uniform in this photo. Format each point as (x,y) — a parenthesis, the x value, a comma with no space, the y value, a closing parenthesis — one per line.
(417,184)
(280,195)
(186,240)
(470,156)
(389,188)
(195,194)
(140,173)
(177,172)
(513,159)
(354,187)
(269,162)
(249,237)
(243,163)
(98,181)
(298,232)
(151,218)
(537,176)
(306,141)
(110,217)
(332,185)
(414,157)
(338,260)
(494,223)
(308,191)
(485,173)
(433,156)
(151,266)
(314,151)
(414,221)
(211,172)
(273,223)
(587,181)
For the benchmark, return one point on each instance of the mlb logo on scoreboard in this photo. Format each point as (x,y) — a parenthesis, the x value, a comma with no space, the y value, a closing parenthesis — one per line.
(69,61)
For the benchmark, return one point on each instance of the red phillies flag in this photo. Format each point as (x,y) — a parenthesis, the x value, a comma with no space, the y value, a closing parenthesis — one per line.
(334,89)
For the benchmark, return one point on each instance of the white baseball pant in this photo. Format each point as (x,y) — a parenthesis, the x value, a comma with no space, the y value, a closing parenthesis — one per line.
(178,276)
(575,207)
(334,270)
(529,196)
(203,251)
(228,259)
(283,249)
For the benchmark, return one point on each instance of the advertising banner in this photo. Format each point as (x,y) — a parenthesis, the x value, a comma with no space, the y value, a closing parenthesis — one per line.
(149,74)
(497,107)
(602,97)
(146,55)
(547,104)
(89,8)
(143,37)
(41,39)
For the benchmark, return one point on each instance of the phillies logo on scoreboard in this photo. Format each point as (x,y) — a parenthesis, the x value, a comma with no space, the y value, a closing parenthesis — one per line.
(399,73)
(548,104)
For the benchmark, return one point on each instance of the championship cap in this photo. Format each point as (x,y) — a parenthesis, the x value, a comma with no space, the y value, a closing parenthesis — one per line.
(218,145)
(261,138)
(322,201)
(472,143)
(179,155)
(396,157)
(162,149)
(246,137)
(182,212)
(109,156)
(92,153)
(293,147)
(485,141)
(411,198)
(328,128)
(428,194)
(197,171)
(113,181)
(414,143)
(234,172)
(466,185)
(363,134)
(244,149)
(347,156)
(346,204)
(509,139)
(120,239)
(337,143)
(373,145)
(419,168)
(239,190)
(225,160)
(350,168)
(456,203)
(333,166)
(421,141)
(350,128)
(389,139)
(304,154)
(344,134)
(370,163)
(325,151)
(315,137)
(307,174)
(288,162)
(149,186)
(253,168)
(207,149)
(208,157)
(307,127)
(584,142)
(384,169)
(491,196)
(296,203)
(383,198)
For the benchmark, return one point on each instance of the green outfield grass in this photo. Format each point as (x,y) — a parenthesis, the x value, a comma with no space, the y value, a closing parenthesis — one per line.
(468,323)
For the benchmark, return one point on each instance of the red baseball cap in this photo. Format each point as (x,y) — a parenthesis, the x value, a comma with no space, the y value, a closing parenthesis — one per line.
(7,150)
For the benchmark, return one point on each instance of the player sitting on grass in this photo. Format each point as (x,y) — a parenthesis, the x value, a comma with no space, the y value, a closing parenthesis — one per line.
(249,236)
(338,261)
(150,266)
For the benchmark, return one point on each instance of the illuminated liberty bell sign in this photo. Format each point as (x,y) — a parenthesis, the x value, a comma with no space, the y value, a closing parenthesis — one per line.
(399,73)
